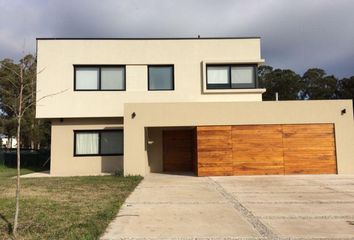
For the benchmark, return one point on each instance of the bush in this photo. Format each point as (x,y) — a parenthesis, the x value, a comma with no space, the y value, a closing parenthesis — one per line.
(119,173)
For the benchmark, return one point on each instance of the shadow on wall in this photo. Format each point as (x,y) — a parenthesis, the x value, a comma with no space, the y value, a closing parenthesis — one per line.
(153,138)
(112,164)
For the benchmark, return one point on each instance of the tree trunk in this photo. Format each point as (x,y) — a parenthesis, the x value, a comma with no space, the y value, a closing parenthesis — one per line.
(19,118)
(18,177)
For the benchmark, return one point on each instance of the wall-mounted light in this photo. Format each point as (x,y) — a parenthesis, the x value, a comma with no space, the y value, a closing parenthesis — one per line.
(344,111)
(133,115)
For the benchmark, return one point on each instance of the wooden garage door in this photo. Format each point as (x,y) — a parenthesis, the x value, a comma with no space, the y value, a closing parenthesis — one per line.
(309,149)
(214,151)
(178,154)
(257,149)
(266,149)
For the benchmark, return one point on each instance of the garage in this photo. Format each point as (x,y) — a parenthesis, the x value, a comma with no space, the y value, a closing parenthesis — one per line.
(266,149)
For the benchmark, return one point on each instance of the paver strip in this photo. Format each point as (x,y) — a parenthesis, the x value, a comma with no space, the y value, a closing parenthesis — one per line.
(261,228)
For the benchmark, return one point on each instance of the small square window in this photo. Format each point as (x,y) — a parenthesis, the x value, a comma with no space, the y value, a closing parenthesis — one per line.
(243,76)
(87,78)
(161,77)
(218,77)
(112,142)
(112,78)
(87,143)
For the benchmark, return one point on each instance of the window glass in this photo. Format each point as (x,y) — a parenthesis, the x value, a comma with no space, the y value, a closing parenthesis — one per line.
(112,142)
(231,76)
(112,78)
(242,75)
(87,78)
(161,78)
(87,143)
(218,74)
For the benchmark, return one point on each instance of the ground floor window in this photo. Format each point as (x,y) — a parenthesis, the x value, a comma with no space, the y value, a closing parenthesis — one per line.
(98,142)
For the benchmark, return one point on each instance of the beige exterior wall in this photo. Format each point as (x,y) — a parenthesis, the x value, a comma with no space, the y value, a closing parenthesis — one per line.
(63,162)
(57,57)
(141,158)
(154,149)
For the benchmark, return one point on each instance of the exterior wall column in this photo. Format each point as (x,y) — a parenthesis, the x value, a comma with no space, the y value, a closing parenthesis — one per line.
(135,155)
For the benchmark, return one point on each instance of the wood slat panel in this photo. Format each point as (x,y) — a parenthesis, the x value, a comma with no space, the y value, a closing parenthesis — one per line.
(309,149)
(257,149)
(214,150)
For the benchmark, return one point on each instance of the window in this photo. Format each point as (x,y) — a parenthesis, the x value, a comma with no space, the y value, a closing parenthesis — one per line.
(87,78)
(98,142)
(161,77)
(99,78)
(231,76)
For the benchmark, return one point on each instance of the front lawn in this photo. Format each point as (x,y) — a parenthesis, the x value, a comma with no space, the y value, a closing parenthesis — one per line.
(62,208)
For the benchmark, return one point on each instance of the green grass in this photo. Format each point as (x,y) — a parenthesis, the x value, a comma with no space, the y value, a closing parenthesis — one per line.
(62,208)
(6,172)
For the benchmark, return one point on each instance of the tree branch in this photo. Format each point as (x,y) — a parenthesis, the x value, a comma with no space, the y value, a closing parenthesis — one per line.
(10,69)
(10,81)
(13,109)
(40,99)
(7,92)
(40,71)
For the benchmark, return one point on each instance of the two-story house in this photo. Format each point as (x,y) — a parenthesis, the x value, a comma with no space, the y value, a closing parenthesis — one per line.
(180,105)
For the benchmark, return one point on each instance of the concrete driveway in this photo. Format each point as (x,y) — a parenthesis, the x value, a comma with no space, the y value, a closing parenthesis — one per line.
(249,207)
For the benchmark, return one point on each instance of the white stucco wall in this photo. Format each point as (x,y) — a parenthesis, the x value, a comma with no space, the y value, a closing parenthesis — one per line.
(56,59)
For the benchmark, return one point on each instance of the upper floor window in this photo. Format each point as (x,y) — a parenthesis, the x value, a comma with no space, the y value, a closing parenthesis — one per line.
(99,78)
(161,77)
(231,76)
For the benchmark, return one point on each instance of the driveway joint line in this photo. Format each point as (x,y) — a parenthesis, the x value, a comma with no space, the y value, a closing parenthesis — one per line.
(190,238)
(307,217)
(326,186)
(299,202)
(175,203)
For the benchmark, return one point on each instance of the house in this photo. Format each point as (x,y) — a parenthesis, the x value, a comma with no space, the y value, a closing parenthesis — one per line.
(8,142)
(184,104)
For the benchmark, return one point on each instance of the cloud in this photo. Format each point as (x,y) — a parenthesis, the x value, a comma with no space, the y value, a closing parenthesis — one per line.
(295,34)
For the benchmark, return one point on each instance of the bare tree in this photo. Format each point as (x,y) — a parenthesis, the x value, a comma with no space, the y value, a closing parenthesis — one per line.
(22,96)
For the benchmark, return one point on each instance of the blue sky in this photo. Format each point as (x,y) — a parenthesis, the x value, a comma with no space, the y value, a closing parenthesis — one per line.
(295,34)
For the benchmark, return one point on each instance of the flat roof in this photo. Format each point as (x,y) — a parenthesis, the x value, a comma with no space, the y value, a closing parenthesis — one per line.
(182,38)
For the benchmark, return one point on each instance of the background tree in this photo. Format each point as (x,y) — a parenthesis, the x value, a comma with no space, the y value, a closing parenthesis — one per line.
(34,132)
(262,71)
(317,85)
(286,82)
(345,88)
(7,94)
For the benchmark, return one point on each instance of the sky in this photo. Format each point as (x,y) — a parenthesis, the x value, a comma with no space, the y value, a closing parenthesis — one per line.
(295,35)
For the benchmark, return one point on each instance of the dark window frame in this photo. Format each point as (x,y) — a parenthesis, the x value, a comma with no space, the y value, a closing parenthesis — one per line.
(99,131)
(229,84)
(99,76)
(162,65)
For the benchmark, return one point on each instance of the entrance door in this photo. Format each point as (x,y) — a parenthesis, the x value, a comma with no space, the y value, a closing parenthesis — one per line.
(178,150)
